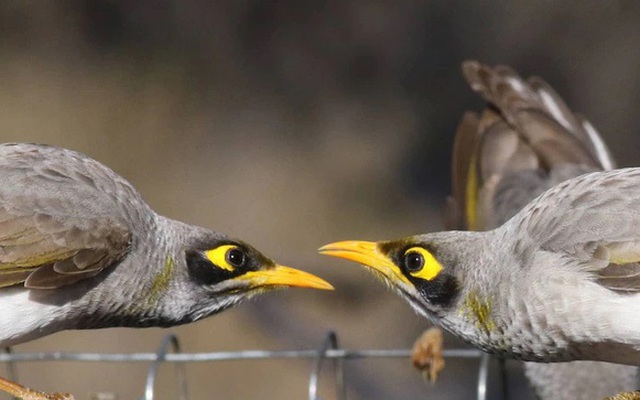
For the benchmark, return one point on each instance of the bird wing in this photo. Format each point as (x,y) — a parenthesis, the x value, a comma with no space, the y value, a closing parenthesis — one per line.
(593,218)
(538,113)
(60,221)
(525,141)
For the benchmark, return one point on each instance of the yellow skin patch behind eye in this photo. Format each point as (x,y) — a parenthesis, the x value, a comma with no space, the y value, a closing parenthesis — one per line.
(218,256)
(161,281)
(431,267)
(478,309)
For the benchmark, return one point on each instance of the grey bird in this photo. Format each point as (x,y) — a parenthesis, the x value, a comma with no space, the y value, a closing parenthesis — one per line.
(80,249)
(497,171)
(559,281)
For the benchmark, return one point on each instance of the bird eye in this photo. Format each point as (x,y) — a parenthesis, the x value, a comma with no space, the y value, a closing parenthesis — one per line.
(227,256)
(413,261)
(235,257)
(421,263)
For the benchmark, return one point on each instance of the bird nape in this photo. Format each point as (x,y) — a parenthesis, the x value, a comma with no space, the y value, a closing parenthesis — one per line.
(80,249)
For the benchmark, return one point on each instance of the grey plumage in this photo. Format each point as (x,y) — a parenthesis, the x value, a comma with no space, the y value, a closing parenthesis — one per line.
(59,210)
(520,177)
(80,249)
(538,286)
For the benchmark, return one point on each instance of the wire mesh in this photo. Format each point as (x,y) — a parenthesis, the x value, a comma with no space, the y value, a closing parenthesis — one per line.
(328,349)
(161,354)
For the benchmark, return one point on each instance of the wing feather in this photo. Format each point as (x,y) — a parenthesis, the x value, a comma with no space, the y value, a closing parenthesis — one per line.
(526,141)
(61,216)
(46,278)
(594,218)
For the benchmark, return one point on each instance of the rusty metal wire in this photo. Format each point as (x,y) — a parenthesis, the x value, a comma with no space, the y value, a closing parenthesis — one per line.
(328,349)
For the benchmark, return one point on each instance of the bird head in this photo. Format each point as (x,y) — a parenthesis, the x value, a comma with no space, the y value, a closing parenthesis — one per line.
(223,272)
(234,266)
(417,268)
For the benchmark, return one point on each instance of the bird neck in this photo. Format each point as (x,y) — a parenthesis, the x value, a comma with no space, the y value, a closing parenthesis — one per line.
(166,295)
(475,315)
(149,272)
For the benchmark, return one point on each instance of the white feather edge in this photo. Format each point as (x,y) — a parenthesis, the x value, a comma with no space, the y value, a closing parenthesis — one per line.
(22,319)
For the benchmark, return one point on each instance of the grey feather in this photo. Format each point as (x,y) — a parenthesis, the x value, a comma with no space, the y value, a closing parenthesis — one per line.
(46,277)
(535,111)
(593,218)
(60,214)
(90,253)
(83,261)
(515,173)
(14,277)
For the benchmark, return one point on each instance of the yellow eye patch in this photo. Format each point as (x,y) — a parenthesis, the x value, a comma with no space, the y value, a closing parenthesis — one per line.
(218,256)
(421,264)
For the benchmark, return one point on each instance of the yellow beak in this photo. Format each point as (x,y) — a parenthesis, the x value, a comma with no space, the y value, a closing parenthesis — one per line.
(368,254)
(284,276)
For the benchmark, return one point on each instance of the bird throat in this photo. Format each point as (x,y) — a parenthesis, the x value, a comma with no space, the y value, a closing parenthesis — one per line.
(161,281)
(476,309)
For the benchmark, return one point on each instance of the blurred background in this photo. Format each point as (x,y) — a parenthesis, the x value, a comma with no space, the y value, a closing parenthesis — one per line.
(291,124)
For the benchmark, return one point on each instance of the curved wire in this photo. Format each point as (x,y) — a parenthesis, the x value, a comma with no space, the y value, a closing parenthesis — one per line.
(330,342)
(161,353)
(503,378)
(483,376)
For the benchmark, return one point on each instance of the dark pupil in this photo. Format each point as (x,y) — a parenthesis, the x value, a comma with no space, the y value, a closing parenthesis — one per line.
(235,257)
(414,262)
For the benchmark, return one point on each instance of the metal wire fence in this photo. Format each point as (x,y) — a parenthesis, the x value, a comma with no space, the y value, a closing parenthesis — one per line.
(169,352)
